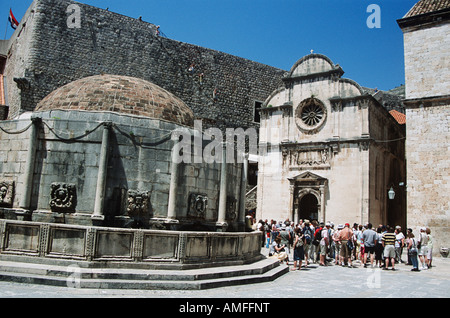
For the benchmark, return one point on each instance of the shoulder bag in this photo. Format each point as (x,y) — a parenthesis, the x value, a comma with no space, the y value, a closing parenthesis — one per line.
(350,244)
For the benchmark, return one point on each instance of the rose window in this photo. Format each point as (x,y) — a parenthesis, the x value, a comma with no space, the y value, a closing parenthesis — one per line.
(310,115)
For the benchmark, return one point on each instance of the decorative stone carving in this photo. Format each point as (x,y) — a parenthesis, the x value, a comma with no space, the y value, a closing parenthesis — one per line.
(311,158)
(197,205)
(231,214)
(63,197)
(138,203)
(310,115)
(6,193)
(306,158)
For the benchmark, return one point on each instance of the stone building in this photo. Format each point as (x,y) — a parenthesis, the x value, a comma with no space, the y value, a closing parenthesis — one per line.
(333,151)
(426,31)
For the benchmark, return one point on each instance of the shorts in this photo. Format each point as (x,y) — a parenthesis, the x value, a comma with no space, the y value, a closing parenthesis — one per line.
(423,251)
(378,251)
(307,248)
(389,251)
(338,249)
(344,250)
(369,249)
(358,246)
(323,249)
(430,253)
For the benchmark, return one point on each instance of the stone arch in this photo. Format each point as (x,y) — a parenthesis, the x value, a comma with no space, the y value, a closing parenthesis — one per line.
(309,204)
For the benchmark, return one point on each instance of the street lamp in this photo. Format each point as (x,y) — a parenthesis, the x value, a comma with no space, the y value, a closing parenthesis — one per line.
(391,193)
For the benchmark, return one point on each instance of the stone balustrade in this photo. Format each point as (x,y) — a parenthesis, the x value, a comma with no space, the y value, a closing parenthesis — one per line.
(59,243)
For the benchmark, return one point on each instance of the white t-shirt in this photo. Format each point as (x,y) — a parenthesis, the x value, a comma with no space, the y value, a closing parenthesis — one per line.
(398,239)
(324,235)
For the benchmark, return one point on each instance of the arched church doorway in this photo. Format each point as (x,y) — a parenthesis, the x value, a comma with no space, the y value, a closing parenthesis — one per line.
(308,207)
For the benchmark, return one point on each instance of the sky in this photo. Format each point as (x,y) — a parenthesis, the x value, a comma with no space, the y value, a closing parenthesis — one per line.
(276,32)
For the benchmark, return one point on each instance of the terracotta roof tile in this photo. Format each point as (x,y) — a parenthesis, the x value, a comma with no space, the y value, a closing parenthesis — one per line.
(427,6)
(399,117)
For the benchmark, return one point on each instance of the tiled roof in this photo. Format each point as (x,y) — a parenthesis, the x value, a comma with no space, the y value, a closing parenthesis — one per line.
(399,117)
(122,94)
(427,6)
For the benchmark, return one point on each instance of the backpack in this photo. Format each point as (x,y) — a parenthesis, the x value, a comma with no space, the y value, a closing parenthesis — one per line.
(317,236)
(308,236)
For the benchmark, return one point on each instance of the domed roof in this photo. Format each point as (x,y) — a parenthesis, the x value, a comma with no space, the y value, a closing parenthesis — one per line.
(122,94)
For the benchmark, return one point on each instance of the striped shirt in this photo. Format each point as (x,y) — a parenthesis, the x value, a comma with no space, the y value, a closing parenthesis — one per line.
(389,238)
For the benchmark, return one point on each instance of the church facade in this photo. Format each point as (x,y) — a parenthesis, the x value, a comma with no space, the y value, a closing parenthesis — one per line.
(333,151)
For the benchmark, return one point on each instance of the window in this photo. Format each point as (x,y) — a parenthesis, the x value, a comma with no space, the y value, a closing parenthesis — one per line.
(256,106)
(311,114)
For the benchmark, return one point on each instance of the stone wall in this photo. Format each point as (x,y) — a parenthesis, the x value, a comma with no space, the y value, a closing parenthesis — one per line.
(139,160)
(19,53)
(427,150)
(427,72)
(49,55)
(13,154)
(427,60)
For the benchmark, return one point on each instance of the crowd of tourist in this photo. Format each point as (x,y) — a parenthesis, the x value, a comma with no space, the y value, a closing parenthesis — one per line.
(312,242)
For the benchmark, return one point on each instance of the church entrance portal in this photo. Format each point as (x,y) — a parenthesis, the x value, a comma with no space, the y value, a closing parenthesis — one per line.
(308,196)
(308,207)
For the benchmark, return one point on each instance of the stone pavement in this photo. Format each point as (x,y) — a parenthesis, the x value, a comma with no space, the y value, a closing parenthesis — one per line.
(312,282)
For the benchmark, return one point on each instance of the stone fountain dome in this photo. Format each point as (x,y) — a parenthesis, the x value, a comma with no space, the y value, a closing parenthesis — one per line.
(120,94)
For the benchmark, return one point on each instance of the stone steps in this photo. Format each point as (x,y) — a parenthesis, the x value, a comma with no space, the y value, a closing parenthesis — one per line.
(121,278)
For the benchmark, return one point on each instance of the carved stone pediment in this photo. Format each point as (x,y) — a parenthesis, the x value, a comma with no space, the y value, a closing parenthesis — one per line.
(63,197)
(308,176)
(6,193)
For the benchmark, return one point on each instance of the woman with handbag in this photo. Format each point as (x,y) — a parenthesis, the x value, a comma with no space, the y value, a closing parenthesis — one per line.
(412,252)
